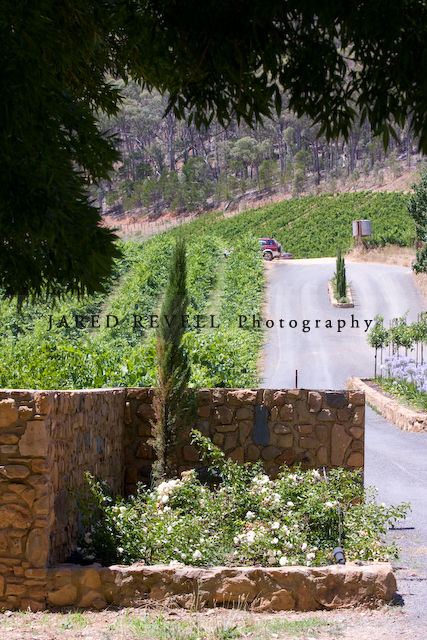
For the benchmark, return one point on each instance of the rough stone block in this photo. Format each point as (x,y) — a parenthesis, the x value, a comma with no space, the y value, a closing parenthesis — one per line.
(314,401)
(224,415)
(321,431)
(218,396)
(8,412)
(344,415)
(357,397)
(287,412)
(244,413)
(245,427)
(304,429)
(359,416)
(37,547)
(357,432)
(340,441)
(270,452)
(218,439)
(238,455)
(145,412)
(286,441)
(230,442)
(226,428)
(14,471)
(355,460)
(8,449)
(253,453)
(326,415)
(322,456)
(279,398)
(204,412)
(35,441)
(90,578)
(242,396)
(281,428)
(302,410)
(15,515)
(66,596)
(307,442)
(8,438)
(286,457)
(144,430)
(336,399)
(306,459)
(43,402)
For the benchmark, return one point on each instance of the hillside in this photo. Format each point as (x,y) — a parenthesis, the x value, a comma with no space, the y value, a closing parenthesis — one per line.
(313,226)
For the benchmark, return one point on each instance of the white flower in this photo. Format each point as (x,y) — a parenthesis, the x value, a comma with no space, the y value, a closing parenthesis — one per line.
(275,525)
(165,498)
(169,529)
(88,539)
(236,540)
(122,509)
(120,549)
(330,505)
(175,563)
(250,515)
(197,555)
(310,556)
(250,537)
(316,475)
(283,560)
(275,541)
(183,556)
(290,504)
(271,560)
(303,546)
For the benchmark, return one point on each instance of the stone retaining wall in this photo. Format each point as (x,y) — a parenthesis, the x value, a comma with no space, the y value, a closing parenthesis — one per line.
(311,428)
(404,418)
(281,588)
(48,439)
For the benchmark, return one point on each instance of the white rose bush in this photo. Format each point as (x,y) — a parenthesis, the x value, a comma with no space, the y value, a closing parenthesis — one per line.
(244,518)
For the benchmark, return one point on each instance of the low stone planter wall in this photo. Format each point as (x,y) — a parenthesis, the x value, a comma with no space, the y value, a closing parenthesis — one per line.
(404,418)
(284,588)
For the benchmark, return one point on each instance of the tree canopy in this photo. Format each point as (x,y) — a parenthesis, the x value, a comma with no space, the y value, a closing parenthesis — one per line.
(336,62)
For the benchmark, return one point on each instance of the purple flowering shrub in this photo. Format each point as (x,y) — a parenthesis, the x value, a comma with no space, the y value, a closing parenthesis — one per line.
(407,379)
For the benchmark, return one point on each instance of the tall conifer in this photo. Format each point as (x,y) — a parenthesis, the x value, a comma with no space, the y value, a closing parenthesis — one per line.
(172,404)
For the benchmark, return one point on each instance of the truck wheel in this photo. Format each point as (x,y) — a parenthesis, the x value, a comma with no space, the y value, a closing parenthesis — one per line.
(268,255)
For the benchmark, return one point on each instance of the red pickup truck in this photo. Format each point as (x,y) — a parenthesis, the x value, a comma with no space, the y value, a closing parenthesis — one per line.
(273,249)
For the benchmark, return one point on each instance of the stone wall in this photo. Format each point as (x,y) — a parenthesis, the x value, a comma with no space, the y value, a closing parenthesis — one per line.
(311,428)
(278,588)
(404,418)
(48,439)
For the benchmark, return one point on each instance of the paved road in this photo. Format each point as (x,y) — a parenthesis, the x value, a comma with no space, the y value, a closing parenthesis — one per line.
(395,461)
(327,354)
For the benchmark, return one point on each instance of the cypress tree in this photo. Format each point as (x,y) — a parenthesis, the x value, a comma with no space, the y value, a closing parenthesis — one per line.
(172,403)
(341,283)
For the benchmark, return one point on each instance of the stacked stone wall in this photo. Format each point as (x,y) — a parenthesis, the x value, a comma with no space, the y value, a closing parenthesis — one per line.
(297,426)
(48,439)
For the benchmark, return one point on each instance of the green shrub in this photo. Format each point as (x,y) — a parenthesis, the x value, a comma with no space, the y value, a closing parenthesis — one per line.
(244,519)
